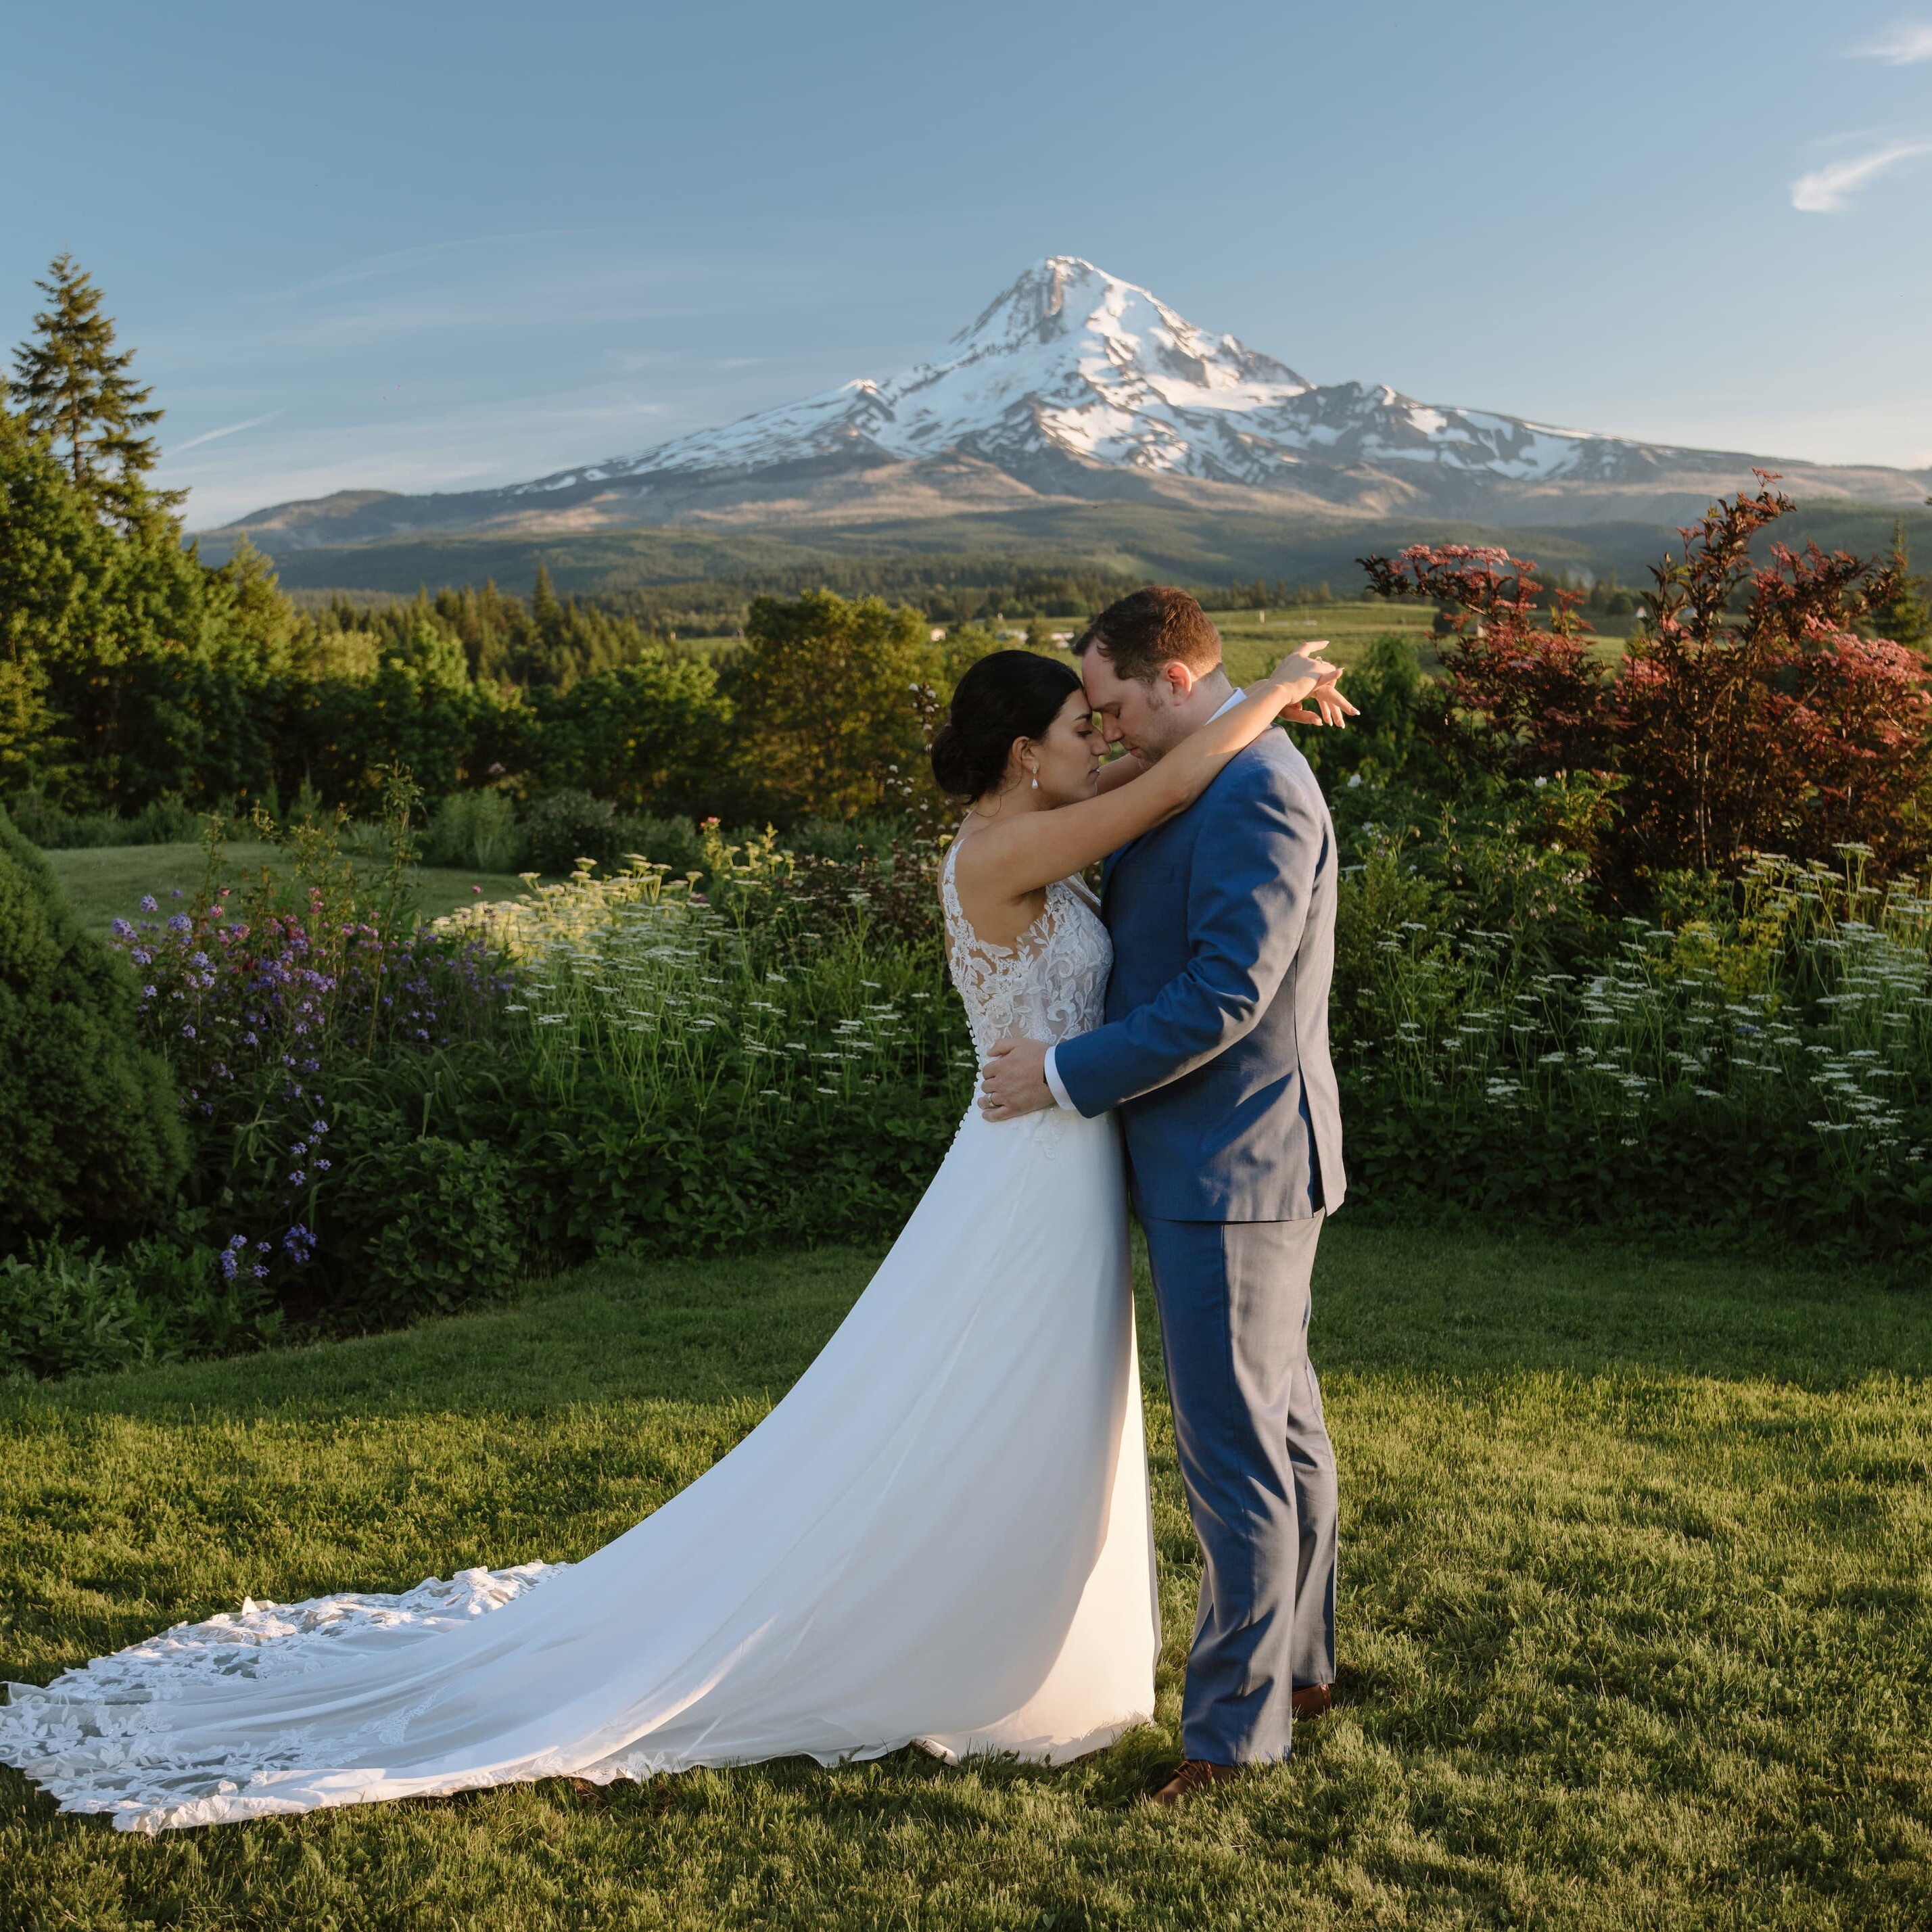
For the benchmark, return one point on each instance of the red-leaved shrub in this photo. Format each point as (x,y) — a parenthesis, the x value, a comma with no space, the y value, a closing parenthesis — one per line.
(1747,715)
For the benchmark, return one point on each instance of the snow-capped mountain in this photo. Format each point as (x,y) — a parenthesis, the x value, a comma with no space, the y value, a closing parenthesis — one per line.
(1074,385)
(1071,362)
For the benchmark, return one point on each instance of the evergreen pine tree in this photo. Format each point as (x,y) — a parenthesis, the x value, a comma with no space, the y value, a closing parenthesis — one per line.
(93,1140)
(1906,618)
(74,388)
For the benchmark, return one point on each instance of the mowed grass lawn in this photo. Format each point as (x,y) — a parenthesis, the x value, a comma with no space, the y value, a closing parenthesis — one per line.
(1635,1625)
(108,882)
(1255,642)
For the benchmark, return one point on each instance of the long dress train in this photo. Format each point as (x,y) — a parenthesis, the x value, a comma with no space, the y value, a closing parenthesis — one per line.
(941,1535)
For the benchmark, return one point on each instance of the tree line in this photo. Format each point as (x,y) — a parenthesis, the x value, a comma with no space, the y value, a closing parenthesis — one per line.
(131,672)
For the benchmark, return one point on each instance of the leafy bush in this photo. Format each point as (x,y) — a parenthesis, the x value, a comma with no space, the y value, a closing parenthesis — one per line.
(1396,737)
(1776,726)
(593,1176)
(65,1311)
(675,844)
(768,1063)
(759,999)
(567,825)
(271,998)
(562,827)
(91,1137)
(478,830)
(165,822)
(1763,1070)
(429,1229)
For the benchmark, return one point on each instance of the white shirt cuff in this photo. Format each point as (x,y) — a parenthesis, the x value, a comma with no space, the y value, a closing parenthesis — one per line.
(1053,1082)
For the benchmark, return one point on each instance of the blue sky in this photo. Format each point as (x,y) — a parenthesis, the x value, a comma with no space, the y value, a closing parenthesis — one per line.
(412,247)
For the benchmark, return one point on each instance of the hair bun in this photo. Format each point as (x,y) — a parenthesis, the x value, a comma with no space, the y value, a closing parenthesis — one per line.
(953,768)
(1008,695)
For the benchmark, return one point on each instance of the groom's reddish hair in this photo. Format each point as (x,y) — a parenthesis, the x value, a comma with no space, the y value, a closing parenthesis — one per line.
(1156,626)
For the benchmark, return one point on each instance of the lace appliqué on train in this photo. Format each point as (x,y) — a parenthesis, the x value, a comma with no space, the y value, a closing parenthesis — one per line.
(99,1738)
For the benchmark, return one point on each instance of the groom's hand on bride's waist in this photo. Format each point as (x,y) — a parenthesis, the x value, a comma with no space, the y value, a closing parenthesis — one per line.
(1013,1081)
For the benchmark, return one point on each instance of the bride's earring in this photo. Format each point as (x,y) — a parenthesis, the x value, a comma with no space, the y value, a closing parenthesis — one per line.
(1036,781)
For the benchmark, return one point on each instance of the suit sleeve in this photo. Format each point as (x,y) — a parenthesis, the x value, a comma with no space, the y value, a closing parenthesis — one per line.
(1254,871)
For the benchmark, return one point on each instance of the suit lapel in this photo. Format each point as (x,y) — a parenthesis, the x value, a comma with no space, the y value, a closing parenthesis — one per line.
(1111,870)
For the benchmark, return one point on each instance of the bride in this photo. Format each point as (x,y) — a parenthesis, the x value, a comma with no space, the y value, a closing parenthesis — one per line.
(941,1536)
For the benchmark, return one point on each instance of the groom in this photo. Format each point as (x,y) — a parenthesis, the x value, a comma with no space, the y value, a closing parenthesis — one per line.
(1215,1049)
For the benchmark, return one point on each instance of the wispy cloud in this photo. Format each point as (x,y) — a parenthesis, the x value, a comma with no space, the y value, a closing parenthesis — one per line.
(1900,45)
(215,435)
(1829,189)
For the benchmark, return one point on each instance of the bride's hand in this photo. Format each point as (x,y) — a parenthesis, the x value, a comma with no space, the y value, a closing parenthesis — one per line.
(1318,682)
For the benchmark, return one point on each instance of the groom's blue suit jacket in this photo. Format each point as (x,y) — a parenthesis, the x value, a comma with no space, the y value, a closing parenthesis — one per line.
(1215,1047)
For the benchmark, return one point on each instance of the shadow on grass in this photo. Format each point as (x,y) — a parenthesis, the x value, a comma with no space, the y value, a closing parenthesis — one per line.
(1387,1301)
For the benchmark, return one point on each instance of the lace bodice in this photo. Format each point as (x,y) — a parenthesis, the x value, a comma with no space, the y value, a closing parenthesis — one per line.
(1048,984)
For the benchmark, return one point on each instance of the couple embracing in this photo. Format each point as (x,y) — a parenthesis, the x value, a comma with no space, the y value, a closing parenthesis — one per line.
(941,1534)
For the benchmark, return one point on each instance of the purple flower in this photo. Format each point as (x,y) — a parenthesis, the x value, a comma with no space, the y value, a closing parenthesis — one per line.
(148,903)
(188,1033)
(122,930)
(147,992)
(181,922)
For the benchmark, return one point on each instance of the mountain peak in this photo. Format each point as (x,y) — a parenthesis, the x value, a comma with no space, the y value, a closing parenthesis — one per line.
(1069,364)
(1037,305)
(1073,384)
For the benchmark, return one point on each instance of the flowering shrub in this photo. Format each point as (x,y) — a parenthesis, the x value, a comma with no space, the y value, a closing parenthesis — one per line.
(1766,1069)
(757,1000)
(766,1063)
(261,997)
(65,1310)
(1748,714)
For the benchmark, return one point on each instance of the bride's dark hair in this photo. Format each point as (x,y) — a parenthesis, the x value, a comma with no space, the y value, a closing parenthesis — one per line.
(1010,695)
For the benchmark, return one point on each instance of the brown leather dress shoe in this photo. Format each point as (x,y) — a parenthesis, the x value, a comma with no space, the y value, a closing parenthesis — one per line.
(1313,1700)
(1194,1776)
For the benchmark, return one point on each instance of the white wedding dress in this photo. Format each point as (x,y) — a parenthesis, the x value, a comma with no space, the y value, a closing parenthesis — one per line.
(940,1536)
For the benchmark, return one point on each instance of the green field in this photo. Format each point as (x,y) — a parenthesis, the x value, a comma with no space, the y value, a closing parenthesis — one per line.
(1254,643)
(1136,541)
(108,882)
(1636,1615)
